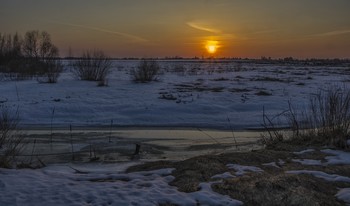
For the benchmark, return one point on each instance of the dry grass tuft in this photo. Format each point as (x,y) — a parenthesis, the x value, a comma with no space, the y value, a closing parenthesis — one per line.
(191,172)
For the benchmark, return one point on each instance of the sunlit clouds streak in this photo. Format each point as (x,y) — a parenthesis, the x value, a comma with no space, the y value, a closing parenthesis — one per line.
(333,33)
(203,28)
(129,37)
(212,36)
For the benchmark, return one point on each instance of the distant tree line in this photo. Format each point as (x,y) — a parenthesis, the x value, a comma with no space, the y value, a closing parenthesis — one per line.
(33,55)
(307,61)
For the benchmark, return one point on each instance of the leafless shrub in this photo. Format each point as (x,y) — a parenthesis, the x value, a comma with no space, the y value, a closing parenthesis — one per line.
(10,140)
(93,66)
(51,71)
(146,71)
(179,69)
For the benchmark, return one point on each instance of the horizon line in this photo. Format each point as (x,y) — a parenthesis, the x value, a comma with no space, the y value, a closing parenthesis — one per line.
(287,58)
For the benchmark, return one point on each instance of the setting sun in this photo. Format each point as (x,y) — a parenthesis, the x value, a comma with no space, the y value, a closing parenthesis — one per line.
(211,46)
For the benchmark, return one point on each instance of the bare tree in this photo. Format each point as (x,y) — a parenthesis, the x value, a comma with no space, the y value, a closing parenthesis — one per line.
(31,44)
(39,45)
(11,58)
(42,56)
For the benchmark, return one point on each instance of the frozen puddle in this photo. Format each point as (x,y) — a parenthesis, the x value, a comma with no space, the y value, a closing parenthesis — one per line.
(119,144)
(98,184)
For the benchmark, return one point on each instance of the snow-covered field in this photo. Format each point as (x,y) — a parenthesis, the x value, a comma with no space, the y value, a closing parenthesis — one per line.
(188,94)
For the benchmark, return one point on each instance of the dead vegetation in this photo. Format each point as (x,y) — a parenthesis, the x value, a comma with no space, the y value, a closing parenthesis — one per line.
(263,93)
(11,142)
(325,120)
(271,79)
(279,189)
(198,87)
(273,186)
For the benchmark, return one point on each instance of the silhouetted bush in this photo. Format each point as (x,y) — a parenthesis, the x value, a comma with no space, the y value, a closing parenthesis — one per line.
(146,71)
(52,69)
(93,66)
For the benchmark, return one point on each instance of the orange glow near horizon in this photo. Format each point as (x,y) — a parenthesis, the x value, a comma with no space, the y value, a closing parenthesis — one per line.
(211,46)
(202,28)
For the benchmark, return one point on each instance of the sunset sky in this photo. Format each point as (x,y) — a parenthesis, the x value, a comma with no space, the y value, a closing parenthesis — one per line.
(159,28)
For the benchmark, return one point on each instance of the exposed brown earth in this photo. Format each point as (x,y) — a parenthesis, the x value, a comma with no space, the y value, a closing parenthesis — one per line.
(273,186)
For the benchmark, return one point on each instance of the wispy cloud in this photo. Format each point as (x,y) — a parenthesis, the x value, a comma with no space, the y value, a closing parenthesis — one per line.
(202,28)
(266,31)
(333,33)
(130,37)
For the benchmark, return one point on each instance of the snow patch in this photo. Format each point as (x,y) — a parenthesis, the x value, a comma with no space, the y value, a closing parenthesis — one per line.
(308,161)
(344,195)
(340,157)
(275,164)
(322,175)
(242,169)
(304,151)
(207,196)
(272,164)
(281,162)
(226,175)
